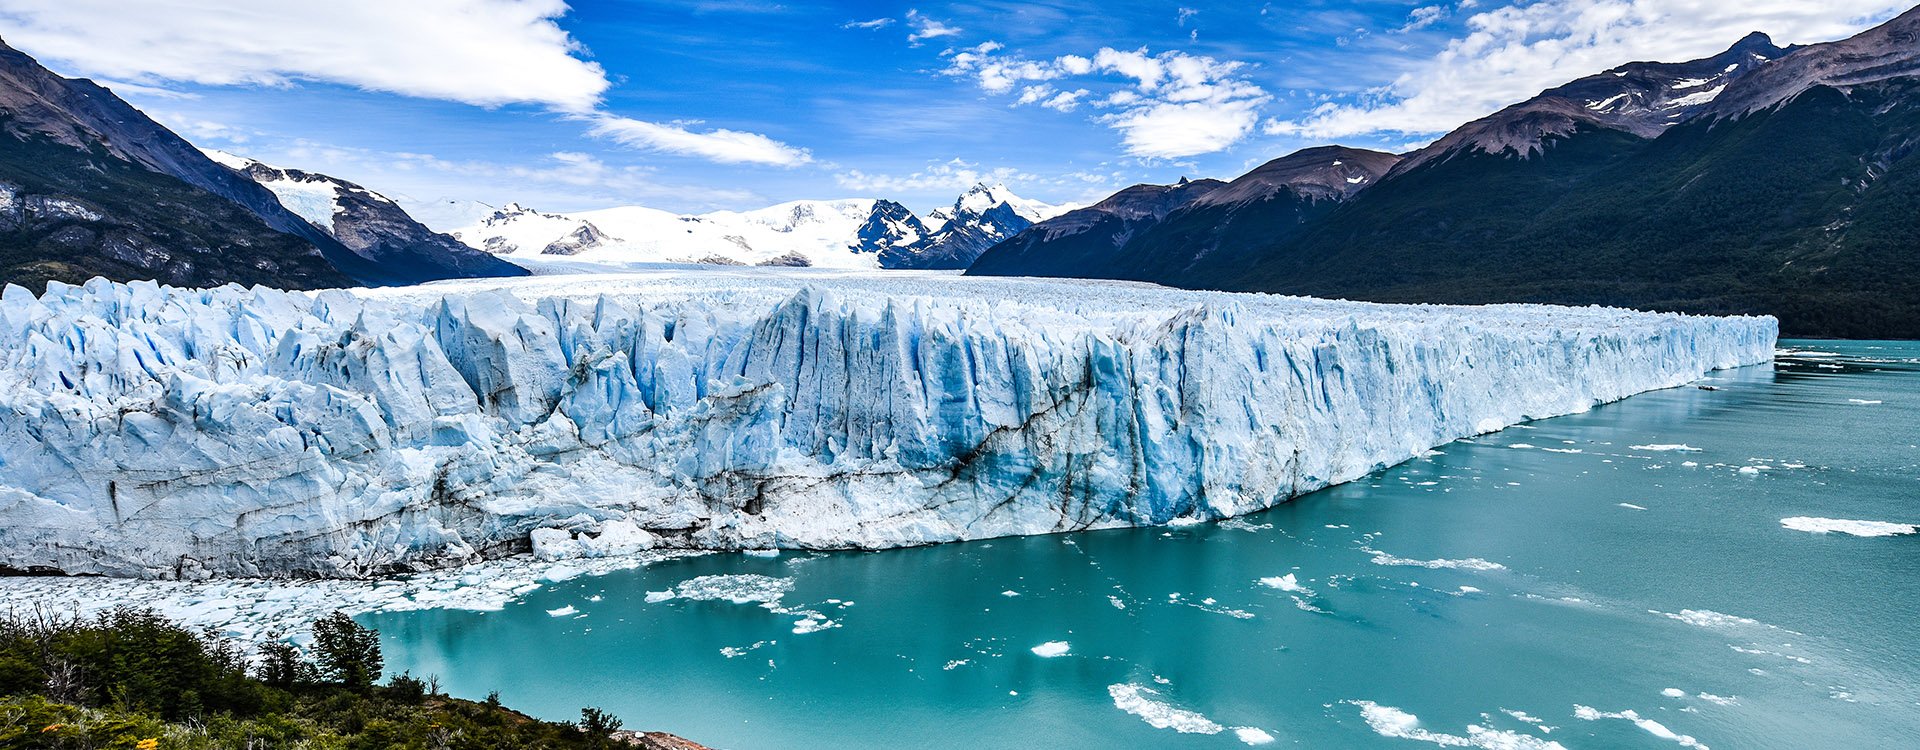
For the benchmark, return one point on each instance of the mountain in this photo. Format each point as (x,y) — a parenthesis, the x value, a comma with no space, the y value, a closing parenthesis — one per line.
(851,233)
(1642,98)
(1760,180)
(369,224)
(90,186)
(979,219)
(1149,232)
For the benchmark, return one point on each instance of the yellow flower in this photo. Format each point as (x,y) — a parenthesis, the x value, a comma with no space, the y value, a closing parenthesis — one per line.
(147,744)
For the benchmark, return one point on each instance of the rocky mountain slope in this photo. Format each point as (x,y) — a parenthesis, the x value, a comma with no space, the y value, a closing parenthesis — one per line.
(852,233)
(92,187)
(1760,180)
(370,225)
(1150,232)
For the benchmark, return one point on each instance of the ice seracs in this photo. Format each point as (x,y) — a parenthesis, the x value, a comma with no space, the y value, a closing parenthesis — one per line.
(157,432)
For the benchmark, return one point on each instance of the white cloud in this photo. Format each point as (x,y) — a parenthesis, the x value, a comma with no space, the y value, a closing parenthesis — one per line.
(1424,16)
(482,52)
(1165,106)
(877,23)
(720,145)
(1512,53)
(1170,130)
(925,28)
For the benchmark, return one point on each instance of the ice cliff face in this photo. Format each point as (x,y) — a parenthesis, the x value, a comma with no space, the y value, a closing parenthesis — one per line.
(159,432)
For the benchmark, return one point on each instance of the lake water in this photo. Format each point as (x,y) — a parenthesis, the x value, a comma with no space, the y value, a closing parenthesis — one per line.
(1549,583)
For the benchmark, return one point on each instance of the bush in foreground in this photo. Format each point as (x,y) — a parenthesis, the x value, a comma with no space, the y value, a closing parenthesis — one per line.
(130,678)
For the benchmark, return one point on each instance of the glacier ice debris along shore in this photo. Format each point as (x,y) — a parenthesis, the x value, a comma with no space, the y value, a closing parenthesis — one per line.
(154,432)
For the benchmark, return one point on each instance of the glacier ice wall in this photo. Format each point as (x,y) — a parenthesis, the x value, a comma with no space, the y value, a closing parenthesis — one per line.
(158,432)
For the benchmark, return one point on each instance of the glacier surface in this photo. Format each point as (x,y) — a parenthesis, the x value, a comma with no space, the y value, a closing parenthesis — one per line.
(154,432)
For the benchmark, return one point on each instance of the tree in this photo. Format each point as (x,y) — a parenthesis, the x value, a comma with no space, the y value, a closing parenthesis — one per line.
(598,725)
(282,667)
(349,653)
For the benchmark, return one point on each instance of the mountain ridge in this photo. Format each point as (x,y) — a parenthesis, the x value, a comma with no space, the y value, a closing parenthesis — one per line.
(1763,180)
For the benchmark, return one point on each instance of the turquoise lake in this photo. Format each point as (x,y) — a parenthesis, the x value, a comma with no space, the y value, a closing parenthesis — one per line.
(1551,583)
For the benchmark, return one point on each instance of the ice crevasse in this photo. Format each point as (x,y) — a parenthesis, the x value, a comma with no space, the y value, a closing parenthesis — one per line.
(156,432)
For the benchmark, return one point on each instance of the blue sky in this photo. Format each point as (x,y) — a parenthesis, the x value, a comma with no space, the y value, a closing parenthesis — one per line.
(692,105)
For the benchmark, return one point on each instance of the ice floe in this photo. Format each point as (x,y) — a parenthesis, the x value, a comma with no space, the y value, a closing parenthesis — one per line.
(1586,713)
(1471,563)
(1052,649)
(1388,721)
(1844,526)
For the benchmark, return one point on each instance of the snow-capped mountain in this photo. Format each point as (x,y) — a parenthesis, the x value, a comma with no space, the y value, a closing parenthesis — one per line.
(979,219)
(849,233)
(369,224)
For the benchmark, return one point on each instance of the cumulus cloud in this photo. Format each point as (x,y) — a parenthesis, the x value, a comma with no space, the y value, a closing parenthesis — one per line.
(720,145)
(1512,53)
(1165,105)
(482,52)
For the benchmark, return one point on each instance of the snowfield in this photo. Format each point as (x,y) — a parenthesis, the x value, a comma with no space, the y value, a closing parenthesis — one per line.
(159,433)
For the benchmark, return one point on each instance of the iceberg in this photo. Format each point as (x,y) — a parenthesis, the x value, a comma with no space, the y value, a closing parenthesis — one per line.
(154,432)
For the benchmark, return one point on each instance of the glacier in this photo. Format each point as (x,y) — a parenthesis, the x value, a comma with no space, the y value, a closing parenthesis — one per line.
(154,432)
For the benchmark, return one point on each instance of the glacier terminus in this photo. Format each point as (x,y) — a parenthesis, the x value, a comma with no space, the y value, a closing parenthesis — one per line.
(148,431)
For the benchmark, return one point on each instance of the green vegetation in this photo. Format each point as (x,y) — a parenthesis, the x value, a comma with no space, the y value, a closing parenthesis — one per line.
(130,678)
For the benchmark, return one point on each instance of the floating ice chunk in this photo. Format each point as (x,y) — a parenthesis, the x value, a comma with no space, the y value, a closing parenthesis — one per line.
(1652,727)
(1844,526)
(1285,583)
(1864,401)
(1252,735)
(1707,618)
(1471,563)
(1664,447)
(1009,593)
(1674,693)
(763,552)
(563,611)
(1388,721)
(747,588)
(1143,701)
(1631,506)
(1751,470)
(1051,649)
(956,664)
(1522,446)
(656,597)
